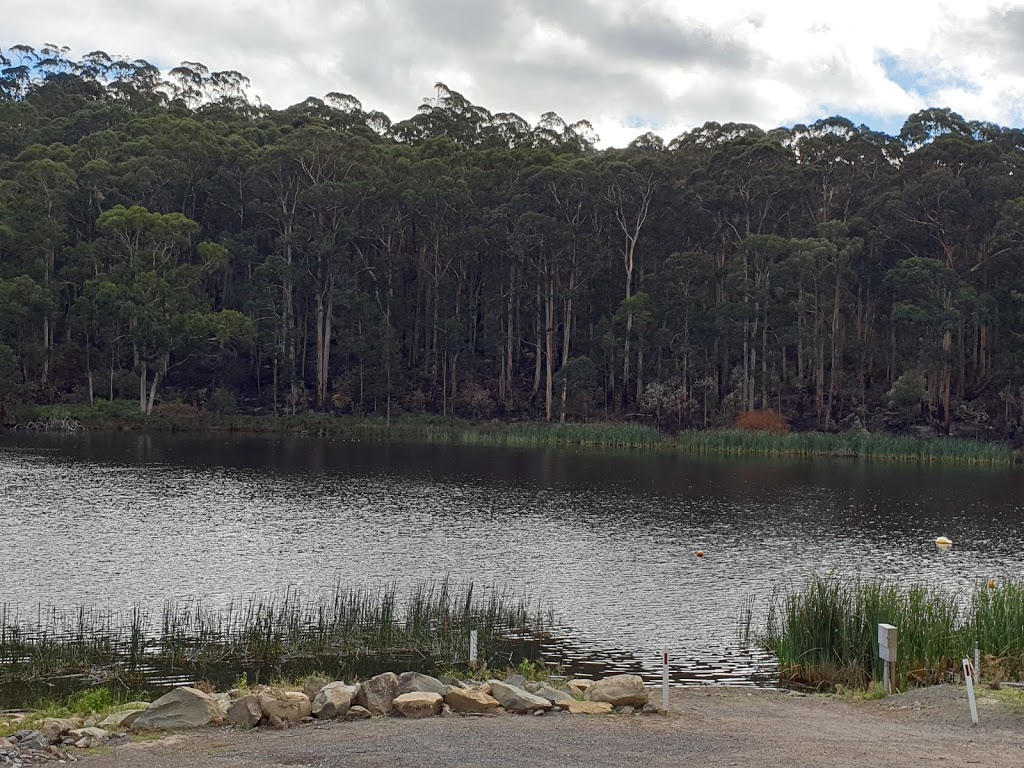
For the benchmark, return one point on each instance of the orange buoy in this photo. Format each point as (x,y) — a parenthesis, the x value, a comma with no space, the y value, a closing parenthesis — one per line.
(700,553)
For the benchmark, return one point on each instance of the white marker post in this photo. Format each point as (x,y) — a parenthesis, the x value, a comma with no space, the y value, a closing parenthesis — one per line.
(977,659)
(969,680)
(664,682)
(472,649)
(887,653)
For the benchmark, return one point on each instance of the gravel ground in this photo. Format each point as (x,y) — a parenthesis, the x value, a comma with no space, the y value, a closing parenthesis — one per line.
(709,728)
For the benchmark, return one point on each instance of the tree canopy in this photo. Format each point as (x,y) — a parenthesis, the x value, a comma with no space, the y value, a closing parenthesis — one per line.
(165,237)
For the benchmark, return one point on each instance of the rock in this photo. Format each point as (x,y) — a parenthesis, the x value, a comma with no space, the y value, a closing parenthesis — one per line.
(469,701)
(121,719)
(418,704)
(245,712)
(275,723)
(377,694)
(517,681)
(452,682)
(31,740)
(650,709)
(578,687)
(619,691)
(181,708)
(514,699)
(588,707)
(223,701)
(91,732)
(559,698)
(333,700)
(53,728)
(627,710)
(358,713)
(313,685)
(290,706)
(414,682)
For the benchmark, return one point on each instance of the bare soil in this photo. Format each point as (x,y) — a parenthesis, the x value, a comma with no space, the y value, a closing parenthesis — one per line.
(707,727)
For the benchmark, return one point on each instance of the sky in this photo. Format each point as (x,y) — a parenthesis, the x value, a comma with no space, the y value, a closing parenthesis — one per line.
(628,66)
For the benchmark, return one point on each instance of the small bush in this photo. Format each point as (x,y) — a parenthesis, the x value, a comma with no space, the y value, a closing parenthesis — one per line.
(762,421)
(223,402)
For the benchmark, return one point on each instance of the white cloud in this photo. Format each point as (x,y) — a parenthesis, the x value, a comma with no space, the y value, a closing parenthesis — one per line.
(621,63)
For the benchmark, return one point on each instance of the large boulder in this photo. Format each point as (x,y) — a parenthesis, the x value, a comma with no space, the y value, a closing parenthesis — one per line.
(418,704)
(245,712)
(290,706)
(619,691)
(333,700)
(378,693)
(513,699)
(181,708)
(414,682)
(469,701)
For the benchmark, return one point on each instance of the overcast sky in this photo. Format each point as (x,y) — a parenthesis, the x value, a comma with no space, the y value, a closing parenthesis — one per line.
(627,65)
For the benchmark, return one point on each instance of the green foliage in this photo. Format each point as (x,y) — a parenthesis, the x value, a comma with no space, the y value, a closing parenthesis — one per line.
(825,633)
(908,390)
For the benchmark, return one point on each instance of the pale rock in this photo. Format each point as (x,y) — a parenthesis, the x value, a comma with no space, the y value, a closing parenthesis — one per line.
(357,712)
(377,694)
(53,728)
(414,682)
(290,706)
(516,681)
(313,685)
(91,732)
(469,701)
(418,704)
(245,712)
(333,700)
(588,707)
(619,691)
(578,687)
(181,708)
(513,699)
(559,698)
(122,719)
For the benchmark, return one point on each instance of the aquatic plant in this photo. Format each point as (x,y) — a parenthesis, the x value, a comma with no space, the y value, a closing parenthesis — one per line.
(825,632)
(347,631)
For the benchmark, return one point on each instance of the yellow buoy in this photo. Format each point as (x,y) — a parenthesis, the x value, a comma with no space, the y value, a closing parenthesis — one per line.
(991,583)
(943,543)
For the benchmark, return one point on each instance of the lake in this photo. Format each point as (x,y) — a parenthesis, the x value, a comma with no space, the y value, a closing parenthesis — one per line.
(608,539)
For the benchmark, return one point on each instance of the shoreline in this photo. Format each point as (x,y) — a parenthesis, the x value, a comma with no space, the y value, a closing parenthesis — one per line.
(122,416)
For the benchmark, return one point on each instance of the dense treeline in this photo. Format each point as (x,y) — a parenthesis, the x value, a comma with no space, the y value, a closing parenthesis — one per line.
(164,237)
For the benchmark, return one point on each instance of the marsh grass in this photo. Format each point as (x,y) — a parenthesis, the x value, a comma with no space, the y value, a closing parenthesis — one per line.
(351,630)
(845,444)
(825,633)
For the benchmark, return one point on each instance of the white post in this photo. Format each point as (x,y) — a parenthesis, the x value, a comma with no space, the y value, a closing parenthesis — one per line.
(472,649)
(664,682)
(977,659)
(969,680)
(887,649)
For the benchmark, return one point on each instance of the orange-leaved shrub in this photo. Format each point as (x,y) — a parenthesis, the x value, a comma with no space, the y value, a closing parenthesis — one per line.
(762,421)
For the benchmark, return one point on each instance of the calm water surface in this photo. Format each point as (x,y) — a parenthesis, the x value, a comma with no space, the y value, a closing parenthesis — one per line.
(609,539)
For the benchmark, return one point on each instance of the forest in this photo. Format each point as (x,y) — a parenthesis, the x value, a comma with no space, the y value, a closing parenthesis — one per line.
(165,238)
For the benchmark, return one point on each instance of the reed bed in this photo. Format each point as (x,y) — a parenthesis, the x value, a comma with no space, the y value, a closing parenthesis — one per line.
(825,634)
(845,444)
(340,630)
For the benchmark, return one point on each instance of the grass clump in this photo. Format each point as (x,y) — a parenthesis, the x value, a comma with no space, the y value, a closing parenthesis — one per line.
(825,634)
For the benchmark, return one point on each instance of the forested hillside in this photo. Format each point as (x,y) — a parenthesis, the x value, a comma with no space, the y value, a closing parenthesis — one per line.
(164,238)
